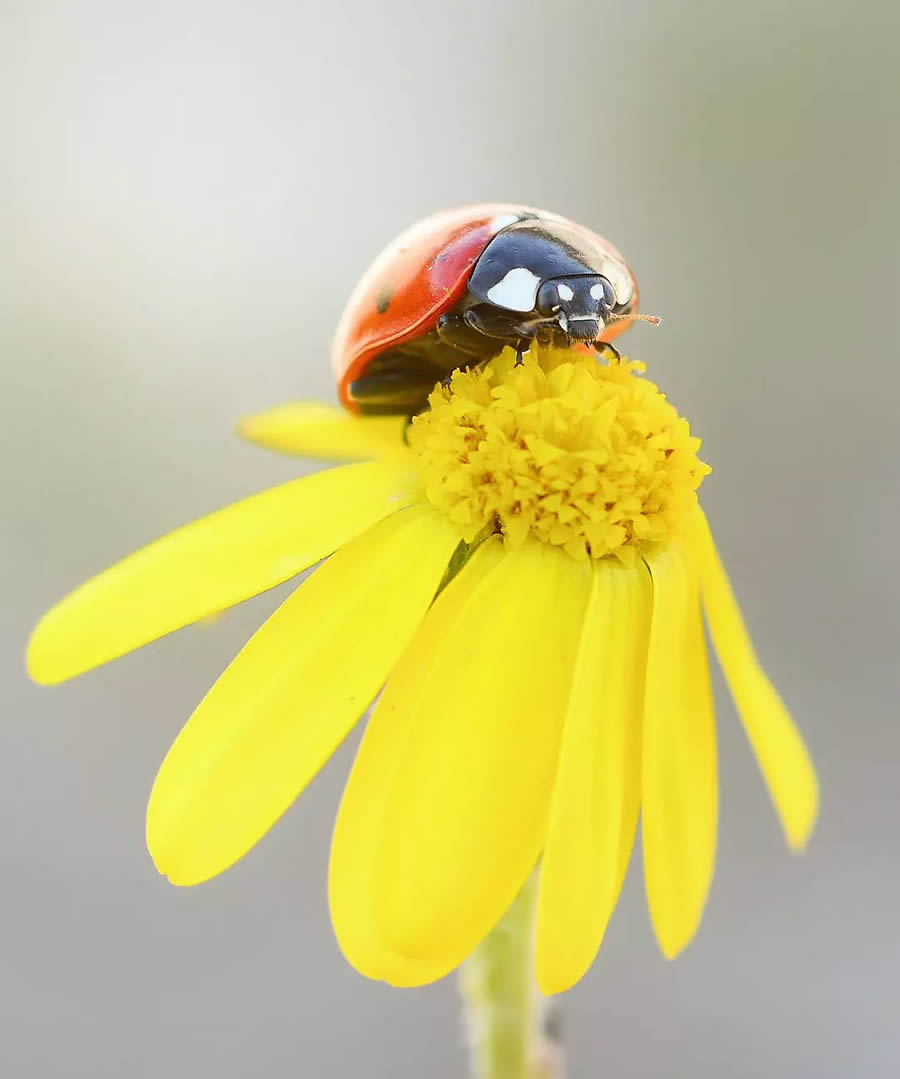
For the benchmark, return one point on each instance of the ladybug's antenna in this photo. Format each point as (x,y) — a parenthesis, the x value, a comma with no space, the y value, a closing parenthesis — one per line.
(636,316)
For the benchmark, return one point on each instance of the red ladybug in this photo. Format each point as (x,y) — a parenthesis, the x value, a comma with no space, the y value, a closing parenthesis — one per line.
(458,287)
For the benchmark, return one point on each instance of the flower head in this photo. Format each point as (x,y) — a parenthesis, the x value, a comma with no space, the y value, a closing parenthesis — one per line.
(584,457)
(525,580)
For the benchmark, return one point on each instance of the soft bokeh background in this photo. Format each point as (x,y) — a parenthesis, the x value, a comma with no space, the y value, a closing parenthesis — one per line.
(189,191)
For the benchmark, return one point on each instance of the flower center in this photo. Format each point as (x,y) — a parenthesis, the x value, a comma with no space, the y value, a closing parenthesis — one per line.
(584,456)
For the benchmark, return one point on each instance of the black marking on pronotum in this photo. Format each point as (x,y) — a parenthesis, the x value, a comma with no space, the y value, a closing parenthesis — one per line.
(383,299)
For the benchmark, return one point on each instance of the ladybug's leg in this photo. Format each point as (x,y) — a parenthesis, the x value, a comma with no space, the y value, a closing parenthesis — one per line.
(407,423)
(510,326)
(604,347)
(483,330)
(454,329)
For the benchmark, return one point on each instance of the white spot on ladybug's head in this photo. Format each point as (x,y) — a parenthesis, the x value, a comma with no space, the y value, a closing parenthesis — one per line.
(516,291)
(565,293)
(501,221)
(597,291)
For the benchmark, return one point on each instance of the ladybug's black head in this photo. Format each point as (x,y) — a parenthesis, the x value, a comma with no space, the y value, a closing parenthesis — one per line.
(579,304)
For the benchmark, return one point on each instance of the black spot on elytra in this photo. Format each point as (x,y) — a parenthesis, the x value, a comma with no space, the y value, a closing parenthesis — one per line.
(383,299)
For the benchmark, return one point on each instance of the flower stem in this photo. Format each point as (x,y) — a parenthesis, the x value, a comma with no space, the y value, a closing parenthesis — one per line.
(513,1029)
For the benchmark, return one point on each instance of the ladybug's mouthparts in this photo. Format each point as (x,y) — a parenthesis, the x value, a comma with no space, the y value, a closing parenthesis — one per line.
(581,327)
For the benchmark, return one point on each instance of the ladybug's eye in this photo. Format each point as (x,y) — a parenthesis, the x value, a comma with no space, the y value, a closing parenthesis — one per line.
(549,296)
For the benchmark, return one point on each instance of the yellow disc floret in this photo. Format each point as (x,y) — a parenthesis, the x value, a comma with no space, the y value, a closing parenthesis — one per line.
(584,456)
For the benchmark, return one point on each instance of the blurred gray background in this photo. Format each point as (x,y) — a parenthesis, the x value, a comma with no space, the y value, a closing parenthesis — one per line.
(189,192)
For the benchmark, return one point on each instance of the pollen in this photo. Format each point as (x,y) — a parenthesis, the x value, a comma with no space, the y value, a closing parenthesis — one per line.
(579,454)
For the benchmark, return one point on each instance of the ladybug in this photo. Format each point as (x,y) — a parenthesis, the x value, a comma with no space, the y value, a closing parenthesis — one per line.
(458,287)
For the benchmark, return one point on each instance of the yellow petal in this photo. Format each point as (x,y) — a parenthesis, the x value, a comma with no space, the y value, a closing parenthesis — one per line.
(596,797)
(779,748)
(311,429)
(445,812)
(291,695)
(680,782)
(354,848)
(211,564)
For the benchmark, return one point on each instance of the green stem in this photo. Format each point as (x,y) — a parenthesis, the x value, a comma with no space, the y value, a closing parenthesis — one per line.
(512,1028)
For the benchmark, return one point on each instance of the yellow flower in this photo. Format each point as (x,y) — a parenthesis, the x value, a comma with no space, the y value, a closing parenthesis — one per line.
(555,689)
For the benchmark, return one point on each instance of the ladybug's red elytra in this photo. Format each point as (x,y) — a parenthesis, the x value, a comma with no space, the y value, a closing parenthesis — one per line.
(459,286)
